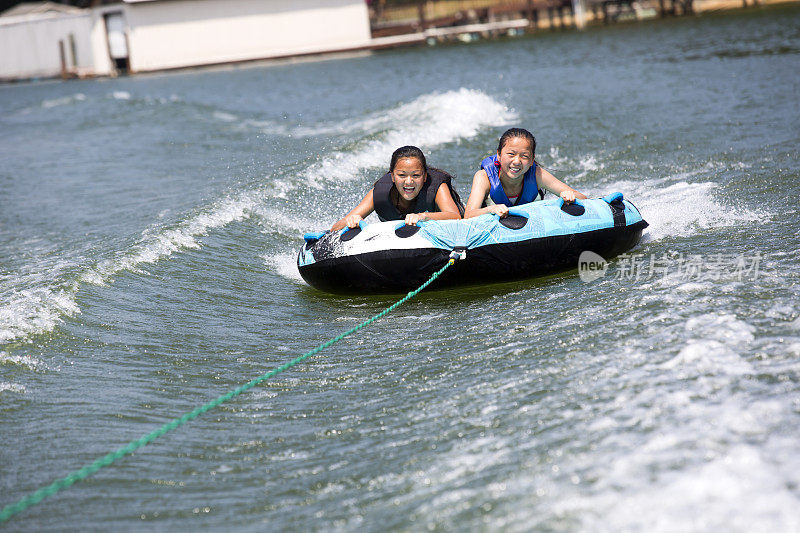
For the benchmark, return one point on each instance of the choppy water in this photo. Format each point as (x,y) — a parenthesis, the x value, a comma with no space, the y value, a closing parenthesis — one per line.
(148,232)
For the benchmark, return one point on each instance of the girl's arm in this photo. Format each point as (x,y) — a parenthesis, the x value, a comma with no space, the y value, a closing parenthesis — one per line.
(479,192)
(359,212)
(448,210)
(556,186)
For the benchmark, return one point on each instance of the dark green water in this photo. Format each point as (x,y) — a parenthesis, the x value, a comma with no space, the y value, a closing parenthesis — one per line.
(148,234)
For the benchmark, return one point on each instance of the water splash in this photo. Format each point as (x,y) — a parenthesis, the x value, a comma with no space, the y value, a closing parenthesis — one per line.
(429,121)
(284,264)
(28,311)
(25,361)
(162,242)
(37,302)
(12,387)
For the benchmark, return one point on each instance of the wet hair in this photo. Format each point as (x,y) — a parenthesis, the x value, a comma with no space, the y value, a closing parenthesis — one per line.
(517,132)
(408,151)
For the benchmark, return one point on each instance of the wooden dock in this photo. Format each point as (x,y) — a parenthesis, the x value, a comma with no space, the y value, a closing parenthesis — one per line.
(430,22)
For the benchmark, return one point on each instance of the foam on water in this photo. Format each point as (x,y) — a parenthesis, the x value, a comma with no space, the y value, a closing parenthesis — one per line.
(456,114)
(685,442)
(37,302)
(158,243)
(699,208)
(697,463)
(576,168)
(12,387)
(121,95)
(37,309)
(66,100)
(284,264)
(22,360)
(588,164)
(427,122)
(739,491)
(225,117)
(707,357)
(656,196)
(272,219)
(372,123)
(723,328)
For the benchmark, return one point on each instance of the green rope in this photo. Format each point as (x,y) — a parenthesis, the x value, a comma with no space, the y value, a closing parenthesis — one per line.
(44,492)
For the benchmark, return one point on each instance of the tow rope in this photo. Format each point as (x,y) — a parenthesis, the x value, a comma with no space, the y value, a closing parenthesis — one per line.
(78,475)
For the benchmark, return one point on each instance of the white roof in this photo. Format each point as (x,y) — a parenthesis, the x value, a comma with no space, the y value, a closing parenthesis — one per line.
(40,8)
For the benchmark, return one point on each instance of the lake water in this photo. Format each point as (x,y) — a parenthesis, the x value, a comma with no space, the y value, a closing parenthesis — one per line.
(148,234)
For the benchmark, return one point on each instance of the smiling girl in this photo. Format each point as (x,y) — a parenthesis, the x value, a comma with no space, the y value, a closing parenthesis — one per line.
(410,191)
(512,177)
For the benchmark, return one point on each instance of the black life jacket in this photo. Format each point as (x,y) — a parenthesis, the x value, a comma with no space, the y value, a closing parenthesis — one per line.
(425,200)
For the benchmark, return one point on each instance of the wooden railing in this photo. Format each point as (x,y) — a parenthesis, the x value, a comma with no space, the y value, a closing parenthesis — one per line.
(403,17)
(422,15)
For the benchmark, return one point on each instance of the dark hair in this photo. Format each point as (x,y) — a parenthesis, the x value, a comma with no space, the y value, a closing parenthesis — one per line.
(517,132)
(408,151)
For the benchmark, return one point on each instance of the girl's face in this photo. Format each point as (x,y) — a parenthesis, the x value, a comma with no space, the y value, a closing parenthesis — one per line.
(515,158)
(408,177)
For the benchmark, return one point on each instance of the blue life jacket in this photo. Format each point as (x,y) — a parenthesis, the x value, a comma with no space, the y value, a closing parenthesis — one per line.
(530,190)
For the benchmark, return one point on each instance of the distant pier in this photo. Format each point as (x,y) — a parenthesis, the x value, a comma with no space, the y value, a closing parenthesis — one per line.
(431,22)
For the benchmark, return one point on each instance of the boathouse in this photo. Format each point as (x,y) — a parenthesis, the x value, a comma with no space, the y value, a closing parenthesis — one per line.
(47,40)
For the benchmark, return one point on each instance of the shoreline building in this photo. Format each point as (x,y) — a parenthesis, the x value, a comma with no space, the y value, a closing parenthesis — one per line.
(45,39)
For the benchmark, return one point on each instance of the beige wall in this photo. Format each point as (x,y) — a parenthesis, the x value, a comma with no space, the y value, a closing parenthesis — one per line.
(167,34)
(29,45)
(170,34)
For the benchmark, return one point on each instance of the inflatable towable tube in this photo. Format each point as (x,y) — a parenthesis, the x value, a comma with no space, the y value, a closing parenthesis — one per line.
(535,239)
